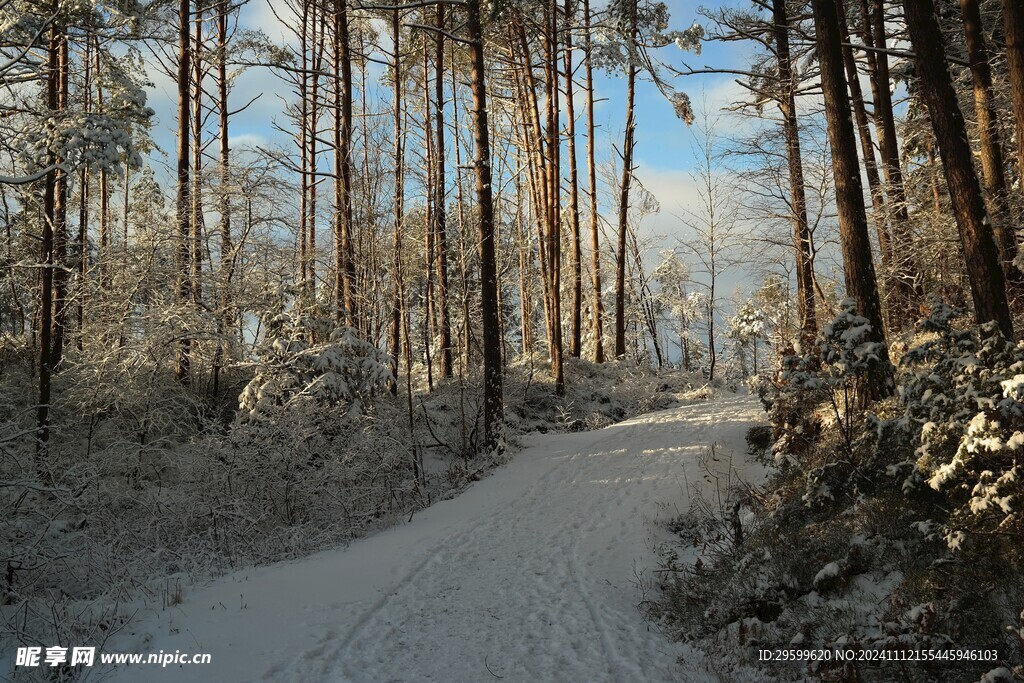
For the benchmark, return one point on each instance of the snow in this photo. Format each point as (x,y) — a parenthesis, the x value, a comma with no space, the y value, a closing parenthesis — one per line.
(529,575)
(998,675)
(829,571)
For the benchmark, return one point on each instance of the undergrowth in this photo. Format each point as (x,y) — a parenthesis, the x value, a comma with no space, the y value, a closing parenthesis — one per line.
(147,490)
(895,528)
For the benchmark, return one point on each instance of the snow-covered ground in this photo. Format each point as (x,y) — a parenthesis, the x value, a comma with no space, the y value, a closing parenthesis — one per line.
(529,575)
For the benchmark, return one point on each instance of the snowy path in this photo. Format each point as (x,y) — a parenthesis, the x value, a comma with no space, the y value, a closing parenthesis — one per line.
(527,576)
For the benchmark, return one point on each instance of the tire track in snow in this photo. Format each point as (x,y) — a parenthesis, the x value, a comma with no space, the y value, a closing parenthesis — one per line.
(543,489)
(378,637)
(333,662)
(629,670)
(525,575)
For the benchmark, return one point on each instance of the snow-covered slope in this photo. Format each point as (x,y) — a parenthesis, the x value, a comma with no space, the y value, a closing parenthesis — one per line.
(526,576)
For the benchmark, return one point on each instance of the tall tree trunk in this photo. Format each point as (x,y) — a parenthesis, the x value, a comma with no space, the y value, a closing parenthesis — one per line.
(399,200)
(83,206)
(318,28)
(867,146)
(983,269)
(595,237)
(627,177)
(540,187)
(897,290)
(576,303)
(198,221)
(106,239)
(83,251)
(440,210)
(345,266)
(798,201)
(493,400)
(554,206)
(1013,24)
(225,317)
(991,150)
(364,258)
(903,262)
(351,299)
(303,145)
(467,328)
(60,222)
(184,200)
(525,264)
(226,240)
(430,312)
(853,226)
(48,258)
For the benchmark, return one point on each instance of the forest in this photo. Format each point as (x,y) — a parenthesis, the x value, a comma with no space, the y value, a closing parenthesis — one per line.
(277,275)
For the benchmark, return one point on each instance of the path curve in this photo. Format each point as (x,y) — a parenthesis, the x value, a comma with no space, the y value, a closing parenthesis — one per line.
(529,575)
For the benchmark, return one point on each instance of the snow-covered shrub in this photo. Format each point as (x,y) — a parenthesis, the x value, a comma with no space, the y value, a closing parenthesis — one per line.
(597,395)
(745,330)
(964,393)
(846,346)
(927,385)
(850,359)
(319,467)
(308,445)
(898,527)
(306,356)
(790,405)
(759,441)
(819,400)
(123,394)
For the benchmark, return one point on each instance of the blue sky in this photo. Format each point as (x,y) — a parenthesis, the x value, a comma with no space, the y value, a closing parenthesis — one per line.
(664,153)
(663,142)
